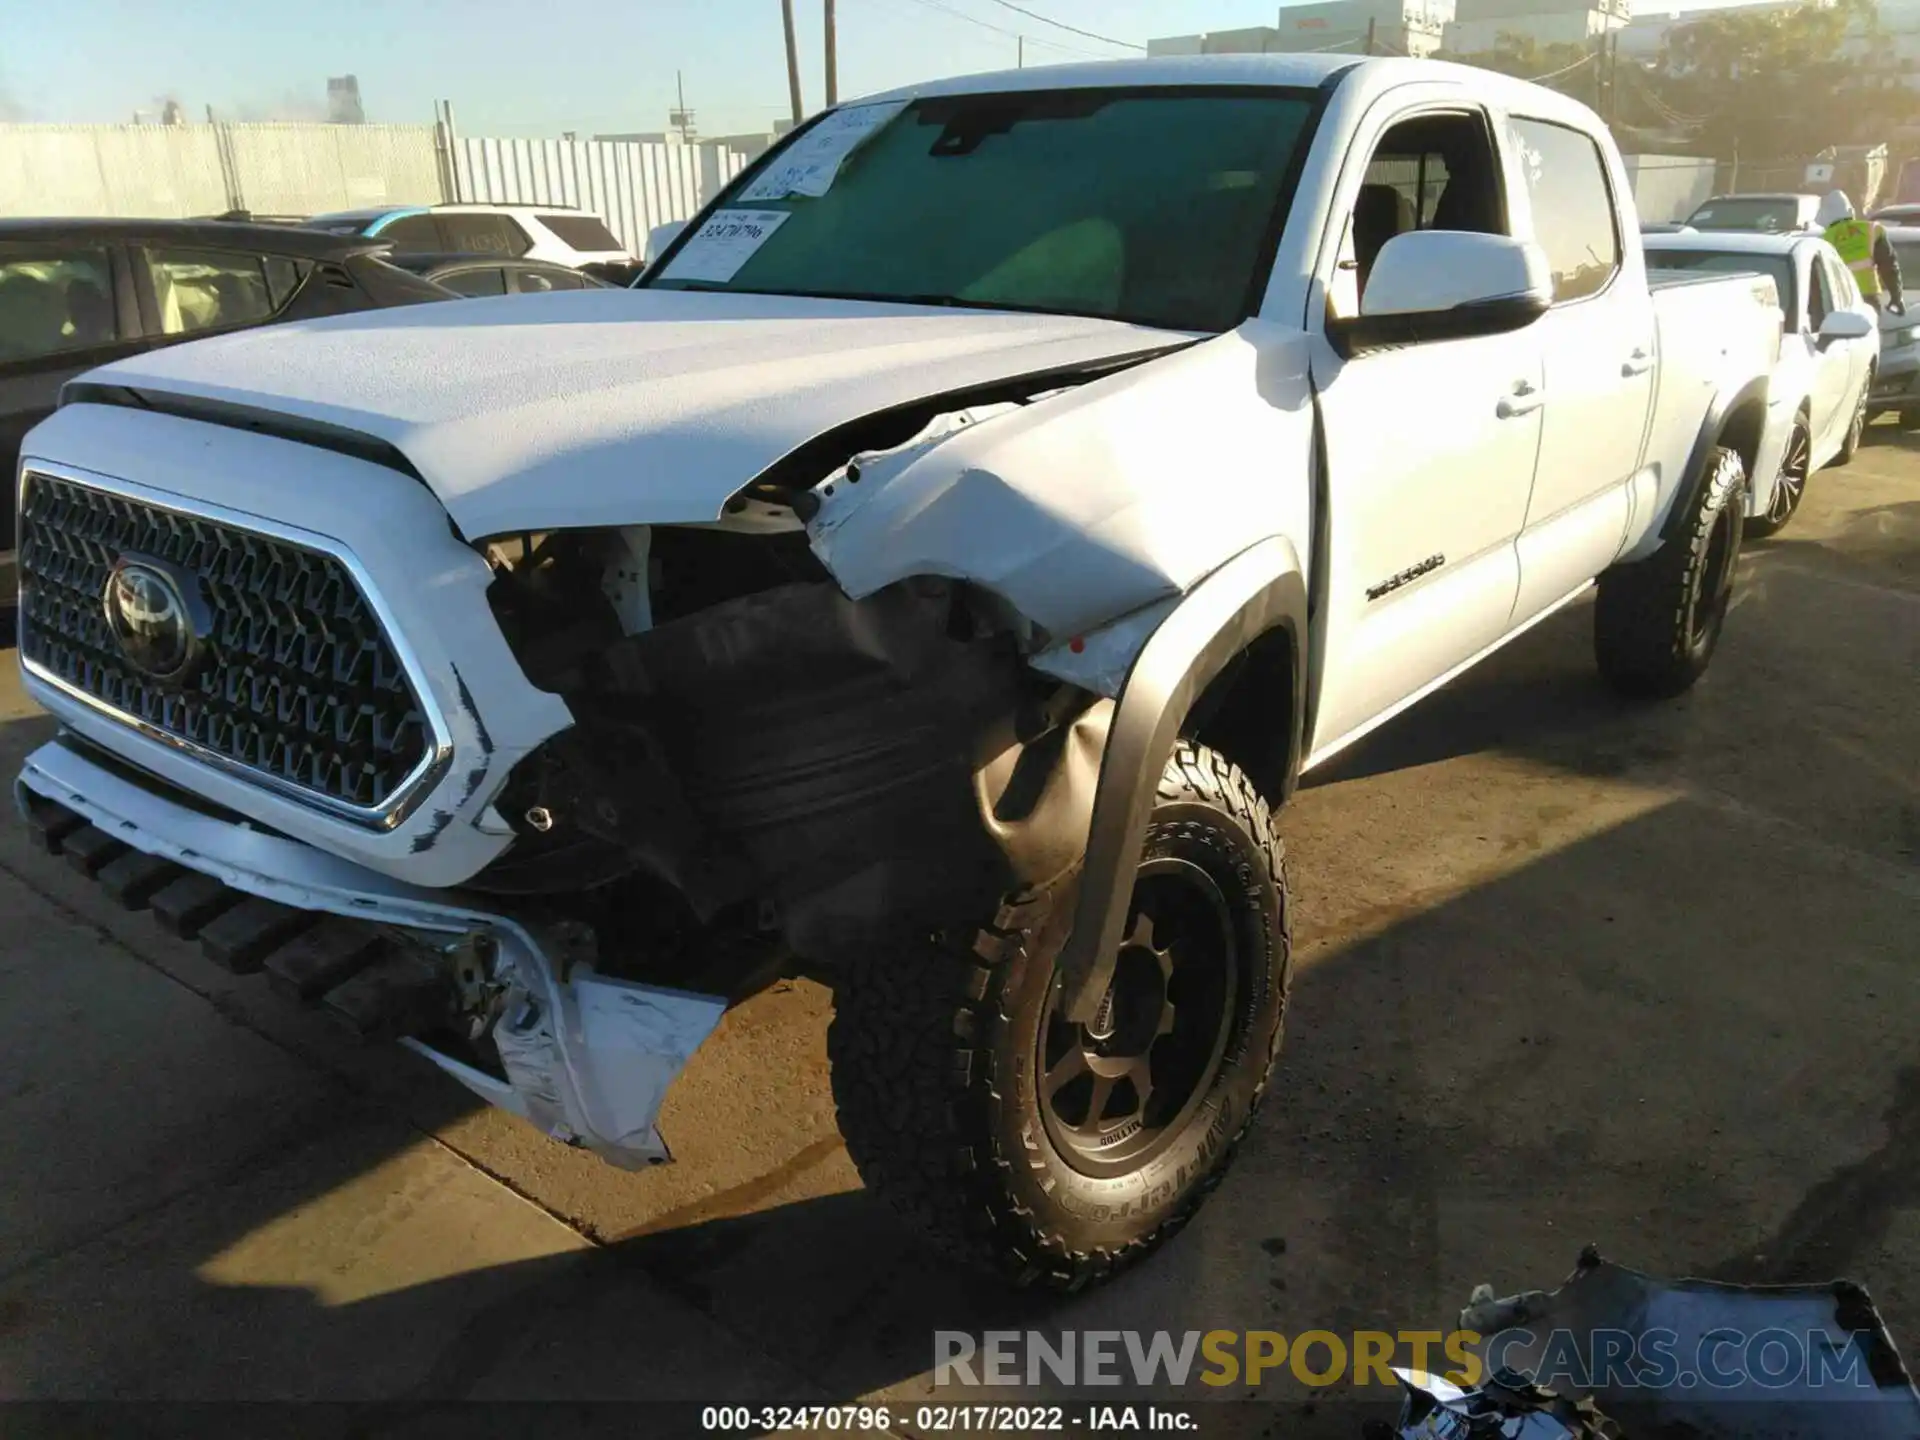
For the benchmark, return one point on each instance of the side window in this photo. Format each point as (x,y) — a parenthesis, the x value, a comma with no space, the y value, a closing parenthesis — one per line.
(463,233)
(1573,214)
(1431,172)
(207,289)
(1841,283)
(51,303)
(1820,301)
(538,282)
(412,235)
(582,232)
(476,282)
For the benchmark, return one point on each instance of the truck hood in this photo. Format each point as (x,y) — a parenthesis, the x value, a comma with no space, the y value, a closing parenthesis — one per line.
(614,407)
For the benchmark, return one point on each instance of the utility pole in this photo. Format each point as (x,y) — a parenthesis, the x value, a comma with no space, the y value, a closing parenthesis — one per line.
(793,60)
(1021,62)
(1370,25)
(833,75)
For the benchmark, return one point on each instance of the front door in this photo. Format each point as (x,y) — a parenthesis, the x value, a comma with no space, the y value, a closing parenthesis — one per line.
(1429,449)
(1599,343)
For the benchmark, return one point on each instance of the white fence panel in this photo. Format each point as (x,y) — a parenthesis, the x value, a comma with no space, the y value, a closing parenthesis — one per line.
(293,169)
(164,170)
(632,185)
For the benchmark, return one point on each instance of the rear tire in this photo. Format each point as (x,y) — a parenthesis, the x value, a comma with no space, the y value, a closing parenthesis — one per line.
(1657,621)
(1856,428)
(1789,486)
(1057,1154)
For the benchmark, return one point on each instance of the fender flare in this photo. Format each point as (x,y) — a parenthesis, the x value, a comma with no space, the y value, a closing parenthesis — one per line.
(1712,429)
(1259,590)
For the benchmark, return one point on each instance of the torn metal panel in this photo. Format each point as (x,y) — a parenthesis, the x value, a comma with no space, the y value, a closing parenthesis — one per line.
(1100,661)
(1100,500)
(1707,1360)
(588,1058)
(1506,1408)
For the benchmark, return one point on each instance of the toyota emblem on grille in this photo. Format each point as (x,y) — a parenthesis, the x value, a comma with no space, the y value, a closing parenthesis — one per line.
(153,611)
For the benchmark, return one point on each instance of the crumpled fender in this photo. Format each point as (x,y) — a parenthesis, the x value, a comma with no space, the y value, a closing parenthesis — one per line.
(1093,502)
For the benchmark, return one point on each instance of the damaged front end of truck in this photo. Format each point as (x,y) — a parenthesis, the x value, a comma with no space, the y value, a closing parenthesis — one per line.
(867,701)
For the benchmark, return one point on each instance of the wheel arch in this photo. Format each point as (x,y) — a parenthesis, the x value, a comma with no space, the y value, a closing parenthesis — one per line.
(1233,646)
(1738,421)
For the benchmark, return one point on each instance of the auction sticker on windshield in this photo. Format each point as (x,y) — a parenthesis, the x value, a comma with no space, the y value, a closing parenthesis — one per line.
(718,249)
(810,165)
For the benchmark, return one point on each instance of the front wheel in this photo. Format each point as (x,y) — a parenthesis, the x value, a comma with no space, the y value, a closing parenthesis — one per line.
(1657,621)
(1057,1153)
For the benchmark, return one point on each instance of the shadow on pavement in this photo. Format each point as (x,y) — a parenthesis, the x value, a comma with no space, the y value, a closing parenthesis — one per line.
(1678,1036)
(1581,1050)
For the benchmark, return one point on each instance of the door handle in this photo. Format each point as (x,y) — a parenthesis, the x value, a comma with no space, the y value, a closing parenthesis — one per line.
(1523,401)
(1637,363)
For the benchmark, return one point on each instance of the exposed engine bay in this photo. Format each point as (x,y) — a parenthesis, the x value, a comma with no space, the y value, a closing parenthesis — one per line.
(758,756)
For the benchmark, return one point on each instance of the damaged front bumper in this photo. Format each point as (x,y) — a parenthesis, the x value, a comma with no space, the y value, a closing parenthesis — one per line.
(585,1057)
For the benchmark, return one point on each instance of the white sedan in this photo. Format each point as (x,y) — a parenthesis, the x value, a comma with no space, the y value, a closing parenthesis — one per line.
(1829,350)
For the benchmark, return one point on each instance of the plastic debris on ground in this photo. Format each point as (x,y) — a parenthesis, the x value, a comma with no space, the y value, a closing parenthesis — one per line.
(1615,1353)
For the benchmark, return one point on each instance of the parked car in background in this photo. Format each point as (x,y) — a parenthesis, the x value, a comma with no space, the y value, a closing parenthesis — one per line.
(1666,227)
(1896,384)
(475,275)
(1829,346)
(77,293)
(1897,215)
(1766,214)
(514,232)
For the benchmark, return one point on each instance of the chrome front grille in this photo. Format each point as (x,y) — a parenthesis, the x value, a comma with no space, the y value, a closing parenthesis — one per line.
(300,687)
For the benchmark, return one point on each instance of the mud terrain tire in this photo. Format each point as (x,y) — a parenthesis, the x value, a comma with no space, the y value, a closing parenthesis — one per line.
(1657,621)
(960,1086)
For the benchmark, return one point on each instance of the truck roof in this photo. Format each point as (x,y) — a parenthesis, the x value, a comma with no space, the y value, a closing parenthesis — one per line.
(1291,71)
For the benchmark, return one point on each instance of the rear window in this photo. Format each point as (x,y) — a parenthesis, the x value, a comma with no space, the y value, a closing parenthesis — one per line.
(463,233)
(1726,262)
(1770,217)
(413,234)
(582,232)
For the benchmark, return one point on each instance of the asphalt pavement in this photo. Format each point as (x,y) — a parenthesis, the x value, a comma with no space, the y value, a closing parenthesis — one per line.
(1572,971)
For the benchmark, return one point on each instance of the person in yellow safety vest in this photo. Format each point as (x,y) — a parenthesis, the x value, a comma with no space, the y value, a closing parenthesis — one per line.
(1864,246)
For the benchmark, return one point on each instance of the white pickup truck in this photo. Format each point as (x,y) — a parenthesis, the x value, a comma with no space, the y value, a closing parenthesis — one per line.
(939,570)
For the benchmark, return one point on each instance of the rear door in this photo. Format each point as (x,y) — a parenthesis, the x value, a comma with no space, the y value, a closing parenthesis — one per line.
(1599,345)
(64,308)
(1832,392)
(190,291)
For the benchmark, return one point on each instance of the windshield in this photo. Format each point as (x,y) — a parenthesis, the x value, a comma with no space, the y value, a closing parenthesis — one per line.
(1158,207)
(1730,262)
(1766,216)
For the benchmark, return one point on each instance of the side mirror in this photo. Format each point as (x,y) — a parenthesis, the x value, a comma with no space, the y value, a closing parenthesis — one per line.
(661,236)
(1843,325)
(1446,285)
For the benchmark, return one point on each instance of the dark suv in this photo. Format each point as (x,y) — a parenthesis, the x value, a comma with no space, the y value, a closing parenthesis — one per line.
(78,293)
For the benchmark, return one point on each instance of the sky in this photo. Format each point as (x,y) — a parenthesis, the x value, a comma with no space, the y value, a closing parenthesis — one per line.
(511,67)
(515,68)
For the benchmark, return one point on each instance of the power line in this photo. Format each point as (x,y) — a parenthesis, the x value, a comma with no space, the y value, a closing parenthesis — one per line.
(1002,30)
(1564,69)
(1074,29)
